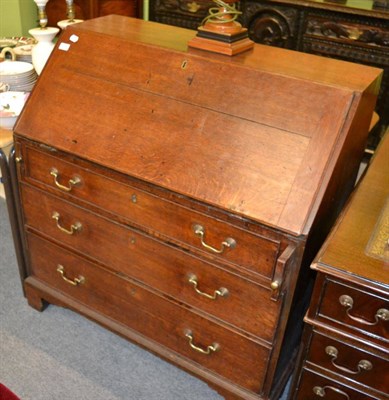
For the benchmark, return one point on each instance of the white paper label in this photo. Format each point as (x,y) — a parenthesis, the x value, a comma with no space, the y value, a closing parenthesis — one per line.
(64,46)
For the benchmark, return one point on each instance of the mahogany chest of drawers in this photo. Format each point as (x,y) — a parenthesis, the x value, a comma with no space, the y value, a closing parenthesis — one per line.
(345,352)
(176,196)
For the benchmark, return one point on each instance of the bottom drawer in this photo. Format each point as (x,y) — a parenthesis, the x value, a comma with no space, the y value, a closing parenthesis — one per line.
(203,341)
(351,362)
(315,387)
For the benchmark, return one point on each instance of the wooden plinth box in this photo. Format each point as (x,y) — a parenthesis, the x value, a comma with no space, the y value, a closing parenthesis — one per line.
(173,195)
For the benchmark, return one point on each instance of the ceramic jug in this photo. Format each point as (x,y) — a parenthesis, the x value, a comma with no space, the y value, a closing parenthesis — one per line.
(42,50)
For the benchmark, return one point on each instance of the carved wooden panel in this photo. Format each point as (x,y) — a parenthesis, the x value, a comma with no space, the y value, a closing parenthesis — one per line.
(330,29)
(184,13)
(275,26)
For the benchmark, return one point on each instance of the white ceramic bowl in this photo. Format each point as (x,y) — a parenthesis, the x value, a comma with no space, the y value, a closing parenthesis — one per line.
(11,105)
(15,68)
(7,122)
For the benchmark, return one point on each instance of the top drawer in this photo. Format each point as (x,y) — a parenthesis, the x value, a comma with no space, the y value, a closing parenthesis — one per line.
(163,218)
(356,310)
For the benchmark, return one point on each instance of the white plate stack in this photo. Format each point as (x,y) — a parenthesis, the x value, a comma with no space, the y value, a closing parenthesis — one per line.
(23,53)
(19,75)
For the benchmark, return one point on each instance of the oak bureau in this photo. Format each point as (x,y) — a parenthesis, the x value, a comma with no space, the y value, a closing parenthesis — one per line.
(177,197)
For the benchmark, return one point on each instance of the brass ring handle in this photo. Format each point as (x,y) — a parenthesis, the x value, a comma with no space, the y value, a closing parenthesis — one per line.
(76,227)
(381,315)
(222,292)
(229,243)
(72,182)
(75,282)
(363,365)
(321,391)
(210,349)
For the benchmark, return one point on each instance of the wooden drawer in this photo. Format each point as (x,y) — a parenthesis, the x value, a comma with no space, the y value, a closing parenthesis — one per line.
(349,361)
(241,303)
(237,358)
(315,387)
(253,252)
(354,309)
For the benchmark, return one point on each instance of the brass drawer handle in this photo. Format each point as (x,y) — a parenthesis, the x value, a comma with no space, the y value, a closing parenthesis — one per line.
(210,349)
(229,243)
(72,182)
(222,292)
(348,302)
(75,282)
(363,365)
(321,391)
(193,7)
(76,227)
